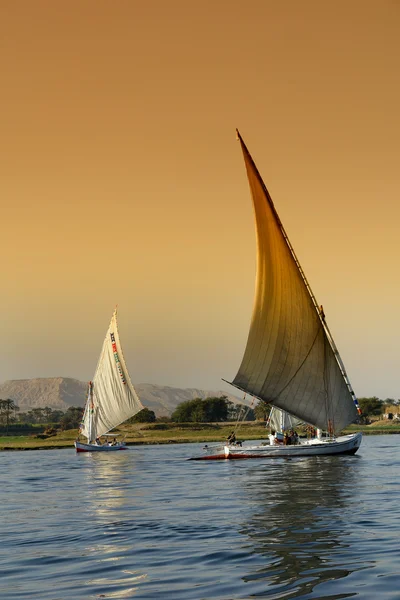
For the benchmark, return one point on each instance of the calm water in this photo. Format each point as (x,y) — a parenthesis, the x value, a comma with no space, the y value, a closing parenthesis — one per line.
(146,523)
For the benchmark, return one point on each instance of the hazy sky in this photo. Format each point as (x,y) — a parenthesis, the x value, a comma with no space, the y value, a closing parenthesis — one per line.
(122,182)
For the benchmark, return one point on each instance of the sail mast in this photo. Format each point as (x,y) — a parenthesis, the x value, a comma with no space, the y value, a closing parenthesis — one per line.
(89,404)
(340,363)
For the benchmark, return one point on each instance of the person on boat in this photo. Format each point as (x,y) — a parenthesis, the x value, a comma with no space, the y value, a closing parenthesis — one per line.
(287,440)
(232,438)
(98,442)
(272,438)
(114,442)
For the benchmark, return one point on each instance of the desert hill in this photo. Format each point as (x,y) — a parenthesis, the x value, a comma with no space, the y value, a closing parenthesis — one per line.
(62,392)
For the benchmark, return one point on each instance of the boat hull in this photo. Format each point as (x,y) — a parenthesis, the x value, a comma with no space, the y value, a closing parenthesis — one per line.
(81,447)
(346,444)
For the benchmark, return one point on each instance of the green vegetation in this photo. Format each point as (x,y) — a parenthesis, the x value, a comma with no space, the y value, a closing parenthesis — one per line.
(262,410)
(144,416)
(170,433)
(144,433)
(8,410)
(210,410)
(13,421)
(371,406)
(39,429)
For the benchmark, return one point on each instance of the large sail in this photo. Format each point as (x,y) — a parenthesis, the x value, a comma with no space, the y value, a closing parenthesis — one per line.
(289,361)
(112,398)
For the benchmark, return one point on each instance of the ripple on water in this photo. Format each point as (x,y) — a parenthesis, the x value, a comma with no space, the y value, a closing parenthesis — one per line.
(147,523)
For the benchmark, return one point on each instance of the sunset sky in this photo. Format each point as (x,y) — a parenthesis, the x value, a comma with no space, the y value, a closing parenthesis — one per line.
(122,181)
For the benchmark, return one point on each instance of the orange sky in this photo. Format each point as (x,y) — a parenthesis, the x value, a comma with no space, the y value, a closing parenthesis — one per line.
(122,182)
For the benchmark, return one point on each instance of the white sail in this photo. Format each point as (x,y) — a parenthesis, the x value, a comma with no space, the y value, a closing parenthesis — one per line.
(279,420)
(290,360)
(112,399)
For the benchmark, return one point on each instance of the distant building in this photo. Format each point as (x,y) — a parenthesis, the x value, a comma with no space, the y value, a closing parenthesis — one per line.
(392,412)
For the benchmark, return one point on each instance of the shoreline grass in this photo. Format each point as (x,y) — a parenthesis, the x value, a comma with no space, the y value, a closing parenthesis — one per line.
(174,433)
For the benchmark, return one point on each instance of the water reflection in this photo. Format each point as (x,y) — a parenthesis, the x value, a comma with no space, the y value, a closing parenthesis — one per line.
(300,525)
(107,482)
(109,478)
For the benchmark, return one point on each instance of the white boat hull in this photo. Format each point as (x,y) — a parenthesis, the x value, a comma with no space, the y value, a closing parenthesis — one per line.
(81,447)
(345,444)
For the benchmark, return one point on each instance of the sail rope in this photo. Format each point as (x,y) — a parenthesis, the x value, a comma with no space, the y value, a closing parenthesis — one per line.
(239,420)
(330,425)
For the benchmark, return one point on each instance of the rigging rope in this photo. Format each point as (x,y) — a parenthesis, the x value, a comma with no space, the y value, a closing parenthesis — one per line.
(246,412)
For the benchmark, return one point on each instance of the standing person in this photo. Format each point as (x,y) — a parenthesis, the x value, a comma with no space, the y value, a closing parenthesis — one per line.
(272,438)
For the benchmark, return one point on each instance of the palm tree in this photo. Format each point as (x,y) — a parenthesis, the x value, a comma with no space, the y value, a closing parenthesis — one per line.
(6,408)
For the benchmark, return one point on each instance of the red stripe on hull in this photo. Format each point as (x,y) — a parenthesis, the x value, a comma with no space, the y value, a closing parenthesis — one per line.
(216,457)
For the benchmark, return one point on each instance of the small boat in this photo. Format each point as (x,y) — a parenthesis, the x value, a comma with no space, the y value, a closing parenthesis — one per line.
(290,361)
(111,398)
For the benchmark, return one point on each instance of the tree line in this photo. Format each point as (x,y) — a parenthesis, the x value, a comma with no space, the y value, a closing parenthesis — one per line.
(375,407)
(12,418)
(198,410)
(207,410)
(216,410)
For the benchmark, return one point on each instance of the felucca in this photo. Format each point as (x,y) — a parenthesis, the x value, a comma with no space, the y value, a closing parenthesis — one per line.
(290,360)
(111,398)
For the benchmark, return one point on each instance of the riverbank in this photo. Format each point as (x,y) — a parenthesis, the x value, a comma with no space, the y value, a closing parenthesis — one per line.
(173,433)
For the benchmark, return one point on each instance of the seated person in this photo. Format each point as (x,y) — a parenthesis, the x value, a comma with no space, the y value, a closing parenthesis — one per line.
(232,438)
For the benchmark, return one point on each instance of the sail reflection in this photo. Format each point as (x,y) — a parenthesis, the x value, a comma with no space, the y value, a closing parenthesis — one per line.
(300,525)
(109,480)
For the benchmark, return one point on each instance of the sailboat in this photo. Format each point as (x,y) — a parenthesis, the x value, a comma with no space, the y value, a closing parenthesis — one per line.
(111,398)
(291,360)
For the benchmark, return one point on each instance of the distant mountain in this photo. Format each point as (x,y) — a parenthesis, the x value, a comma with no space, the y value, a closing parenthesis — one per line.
(55,392)
(62,392)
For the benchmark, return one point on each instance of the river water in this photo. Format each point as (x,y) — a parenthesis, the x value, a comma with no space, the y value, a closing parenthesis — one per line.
(147,524)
